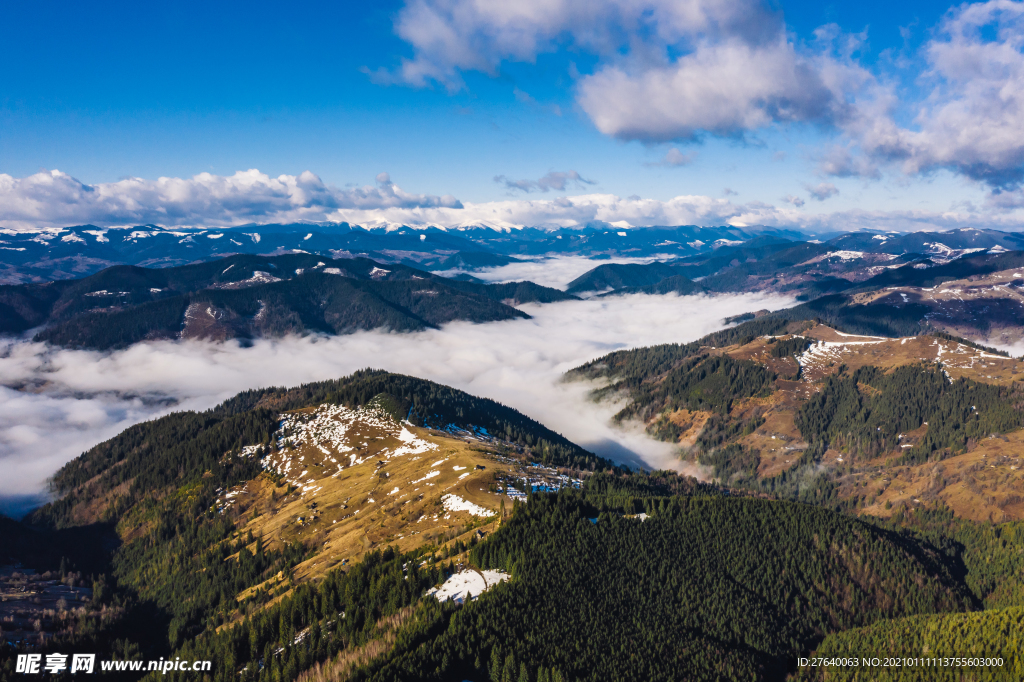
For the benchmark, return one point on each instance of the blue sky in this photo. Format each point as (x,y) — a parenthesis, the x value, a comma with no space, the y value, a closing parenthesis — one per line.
(108,91)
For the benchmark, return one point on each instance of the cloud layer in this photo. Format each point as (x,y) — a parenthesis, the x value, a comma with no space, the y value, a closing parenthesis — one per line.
(55,198)
(674,158)
(548,272)
(80,398)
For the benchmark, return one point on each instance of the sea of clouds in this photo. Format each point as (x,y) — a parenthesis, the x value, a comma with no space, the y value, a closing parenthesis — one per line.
(556,272)
(57,403)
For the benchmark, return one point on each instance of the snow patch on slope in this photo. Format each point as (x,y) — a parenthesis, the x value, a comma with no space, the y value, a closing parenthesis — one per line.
(467,585)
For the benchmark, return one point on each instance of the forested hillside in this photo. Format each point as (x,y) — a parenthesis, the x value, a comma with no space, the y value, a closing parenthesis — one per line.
(637,576)
(188,447)
(677,284)
(868,423)
(144,511)
(710,383)
(619,275)
(638,364)
(867,284)
(693,592)
(966,266)
(794,408)
(311,303)
(980,637)
(247,296)
(849,262)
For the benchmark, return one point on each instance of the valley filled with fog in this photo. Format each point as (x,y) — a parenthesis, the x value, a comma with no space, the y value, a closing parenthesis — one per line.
(56,403)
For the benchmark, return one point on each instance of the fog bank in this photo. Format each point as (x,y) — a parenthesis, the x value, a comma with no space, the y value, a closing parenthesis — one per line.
(57,403)
(548,272)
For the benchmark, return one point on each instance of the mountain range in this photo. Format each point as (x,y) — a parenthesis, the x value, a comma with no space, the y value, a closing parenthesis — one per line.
(253,296)
(972,290)
(249,297)
(73,252)
(82,250)
(856,461)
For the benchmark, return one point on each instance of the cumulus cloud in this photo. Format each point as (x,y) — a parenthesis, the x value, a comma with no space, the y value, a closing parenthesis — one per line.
(843,161)
(795,200)
(569,211)
(674,158)
(554,180)
(55,198)
(821,191)
(665,70)
(26,207)
(725,89)
(971,121)
(79,398)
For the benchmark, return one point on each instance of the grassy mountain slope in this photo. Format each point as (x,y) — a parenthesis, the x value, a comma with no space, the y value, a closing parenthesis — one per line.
(693,592)
(797,409)
(206,516)
(183,447)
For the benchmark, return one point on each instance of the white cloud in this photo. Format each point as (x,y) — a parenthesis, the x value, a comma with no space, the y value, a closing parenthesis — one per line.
(971,120)
(664,69)
(674,159)
(453,36)
(795,200)
(681,69)
(554,180)
(821,191)
(570,211)
(59,200)
(725,88)
(84,397)
(843,161)
(53,198)
(549,272)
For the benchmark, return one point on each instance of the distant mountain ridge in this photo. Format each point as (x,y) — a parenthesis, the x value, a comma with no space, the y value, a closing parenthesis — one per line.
(85,249)
(248,297)
(812,268)
(967,284)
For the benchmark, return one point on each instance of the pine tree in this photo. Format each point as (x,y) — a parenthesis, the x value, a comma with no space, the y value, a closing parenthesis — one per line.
(508,673)
(495,665)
